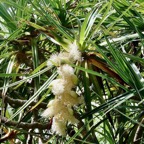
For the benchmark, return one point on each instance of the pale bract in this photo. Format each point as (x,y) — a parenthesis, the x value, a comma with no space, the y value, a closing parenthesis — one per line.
(65,70)
(59,127)
(52,108)
(58,59)
(66,115)
(67,99)
(53,60)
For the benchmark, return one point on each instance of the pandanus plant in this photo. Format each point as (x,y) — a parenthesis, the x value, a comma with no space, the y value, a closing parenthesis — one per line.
(71,71)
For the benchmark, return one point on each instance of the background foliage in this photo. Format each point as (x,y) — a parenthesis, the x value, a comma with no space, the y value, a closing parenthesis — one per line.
(110,36)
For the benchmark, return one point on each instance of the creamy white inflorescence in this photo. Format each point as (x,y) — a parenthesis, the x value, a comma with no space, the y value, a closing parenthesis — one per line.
(74,53)
(61,107)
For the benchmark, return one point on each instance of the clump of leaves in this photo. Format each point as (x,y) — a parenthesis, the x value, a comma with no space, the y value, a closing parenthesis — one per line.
(109,35)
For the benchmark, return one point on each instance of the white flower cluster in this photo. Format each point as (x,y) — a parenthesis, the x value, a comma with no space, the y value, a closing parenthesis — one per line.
(71,56)
(60,108)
